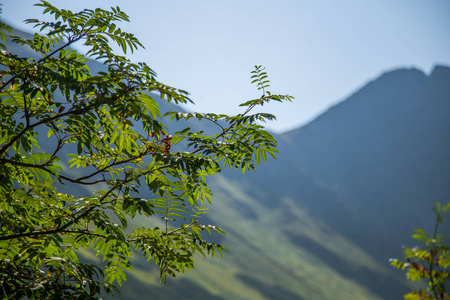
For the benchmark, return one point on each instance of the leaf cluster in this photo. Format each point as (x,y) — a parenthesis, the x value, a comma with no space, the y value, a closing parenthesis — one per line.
(430,262)
(111,158)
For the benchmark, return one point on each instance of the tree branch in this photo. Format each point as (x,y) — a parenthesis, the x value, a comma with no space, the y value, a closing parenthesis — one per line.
(4,148)
(70,42)
(60,229)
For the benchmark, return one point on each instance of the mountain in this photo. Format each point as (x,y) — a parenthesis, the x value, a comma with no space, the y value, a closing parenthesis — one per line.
(384,151)
(370,167)
(343,196)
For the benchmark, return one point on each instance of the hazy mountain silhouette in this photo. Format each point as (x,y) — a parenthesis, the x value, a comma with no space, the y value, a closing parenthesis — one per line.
(371,166)
(384,151)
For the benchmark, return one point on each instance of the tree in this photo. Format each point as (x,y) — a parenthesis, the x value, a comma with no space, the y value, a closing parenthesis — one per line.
(109,126)
(430,263)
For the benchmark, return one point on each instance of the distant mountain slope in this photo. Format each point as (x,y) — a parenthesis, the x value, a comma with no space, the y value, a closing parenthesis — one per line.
(349,188)
(370,167)
(384,151)
(344,195)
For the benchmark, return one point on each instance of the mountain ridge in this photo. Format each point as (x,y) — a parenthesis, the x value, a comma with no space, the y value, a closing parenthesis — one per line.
(372,166)
(401,130)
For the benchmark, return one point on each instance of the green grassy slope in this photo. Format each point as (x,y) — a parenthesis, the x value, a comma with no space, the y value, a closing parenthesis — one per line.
(264,262)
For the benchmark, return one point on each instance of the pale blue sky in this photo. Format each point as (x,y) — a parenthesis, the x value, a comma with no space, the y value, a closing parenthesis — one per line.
(318,51)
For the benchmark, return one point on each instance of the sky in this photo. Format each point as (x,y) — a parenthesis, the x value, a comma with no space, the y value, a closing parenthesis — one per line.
(319,51)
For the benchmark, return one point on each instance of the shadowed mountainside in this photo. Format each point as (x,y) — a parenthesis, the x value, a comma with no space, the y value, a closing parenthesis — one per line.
(370,167)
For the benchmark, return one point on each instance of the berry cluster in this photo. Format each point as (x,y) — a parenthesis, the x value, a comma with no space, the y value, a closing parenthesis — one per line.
(166,141)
